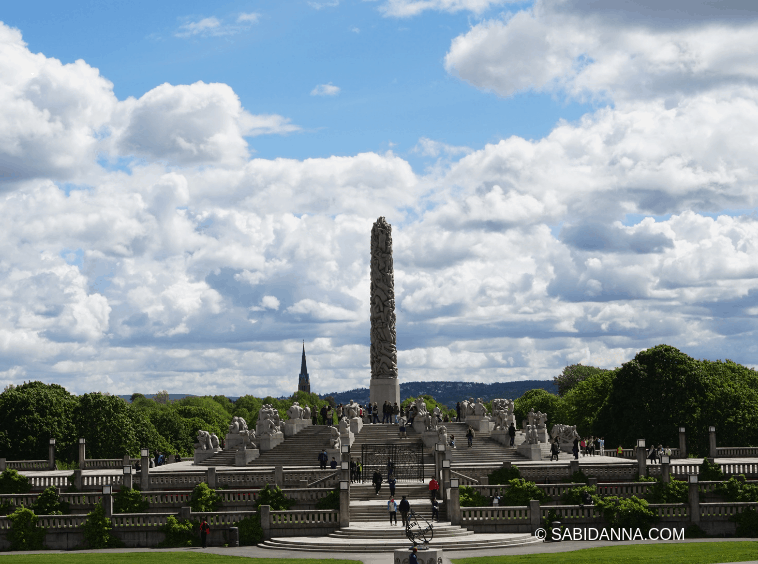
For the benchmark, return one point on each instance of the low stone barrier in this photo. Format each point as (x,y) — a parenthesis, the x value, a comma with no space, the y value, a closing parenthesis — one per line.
(737,452)
(24,464)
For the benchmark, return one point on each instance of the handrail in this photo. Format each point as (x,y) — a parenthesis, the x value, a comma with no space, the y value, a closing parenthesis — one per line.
(324,479)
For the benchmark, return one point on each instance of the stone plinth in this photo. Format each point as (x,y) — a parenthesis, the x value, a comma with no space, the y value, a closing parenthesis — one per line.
(294,426)
(501,436)
(419,426)
(267,442)
(201,455)
(428,556)
(347,438)
(531,452)
(356,424)
(480,423)
(381,389)
(542,435)
(430,438)
(234,441)
(245,455)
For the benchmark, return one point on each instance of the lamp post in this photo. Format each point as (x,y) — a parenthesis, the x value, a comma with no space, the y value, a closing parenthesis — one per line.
(682,443)
(712,442)
(694,498)
(454,503)
(144,480)
(345,463)
(82,453)
(51,455)
(128,483)
(641,457)
(108,500)
(344,503)
(665,468)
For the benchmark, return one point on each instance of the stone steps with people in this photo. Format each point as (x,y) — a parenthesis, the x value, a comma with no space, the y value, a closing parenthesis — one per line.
(299,450)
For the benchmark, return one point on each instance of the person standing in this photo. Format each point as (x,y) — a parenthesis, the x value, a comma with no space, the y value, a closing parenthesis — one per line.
(353,471)
(470,436)
(458,411)
(583,445)
(395,412)
(333,464)
(376,413)
(392,482)
(620,452)
(323,414)
(360,471)
(575,450)
(512,433)
(435,510)
(392,508)
(434,488)
(602,446)
(204,530)
(377,481)
(323,458)
(370,412)
(413,558)
(405,507)
(554,450)
(390,468)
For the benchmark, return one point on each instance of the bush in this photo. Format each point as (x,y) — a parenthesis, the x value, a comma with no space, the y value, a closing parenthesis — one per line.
(504,475)
(469,497)
(98,530)
(736,490)
(630,512)
(747,523)
(331,501)
(577,477)
(675,491)
(573,496)
(204,499)
(710,472)
(11,482)
(24,533)
(179,533)
(129,500)
(250,530)
(520,492)
(7,508)
(274,497)
(49,503)
(645,479)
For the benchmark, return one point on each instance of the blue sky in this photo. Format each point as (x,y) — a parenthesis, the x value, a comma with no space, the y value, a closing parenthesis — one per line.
(189,188)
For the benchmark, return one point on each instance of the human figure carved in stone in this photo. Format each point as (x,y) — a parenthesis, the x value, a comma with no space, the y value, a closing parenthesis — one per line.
(430,422)
(383,352)
(442,434)
(421,406)
(353,409)
(437,413)
(541,420)
(214,441)
(344,426)
(203,441)
(479,408)
(269,427)
(471,405)
(295,411)
(531,435)
(235,426)
(531,417)
(334,439)
(500,418)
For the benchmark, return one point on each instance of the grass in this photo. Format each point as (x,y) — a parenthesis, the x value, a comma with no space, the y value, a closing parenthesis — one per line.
(675,553)
(152,557)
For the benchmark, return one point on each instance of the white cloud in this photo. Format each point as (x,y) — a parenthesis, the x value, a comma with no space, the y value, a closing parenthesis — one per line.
(325,90)
(251,17)
(270,302)
(321,5)
(430,148)
(407,8)
(213,27)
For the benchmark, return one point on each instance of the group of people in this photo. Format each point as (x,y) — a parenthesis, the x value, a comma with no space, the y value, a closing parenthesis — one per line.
(656,452)
(404,506)
(589,446)
(159,459)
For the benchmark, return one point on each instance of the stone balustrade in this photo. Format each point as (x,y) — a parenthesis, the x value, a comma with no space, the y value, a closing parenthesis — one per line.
(24,464)
(737,452)
(39,483)
(723,511)
(106,463)
(505,514)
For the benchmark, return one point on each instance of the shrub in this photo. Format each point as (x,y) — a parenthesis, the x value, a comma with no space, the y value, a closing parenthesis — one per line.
(710,472)
(573,496)
(520,492)
(630,512)
(98,530)
(747,523)
(24,533)
(577,477)
(274,497)
(645,479)
(331,501)
(49,503)
(204,499)
(504,475)
(7,508)
(675,491)
(129,500)
(11,482)
(469,497)
(250,530)
(179,533)
(736,490)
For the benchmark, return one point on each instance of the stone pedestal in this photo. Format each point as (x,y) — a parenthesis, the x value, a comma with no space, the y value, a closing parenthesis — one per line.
(384,389)
(356,424)
(347,438)
(419,426)
(234,441)
(480,423)
(428,556)
(267,442)
(501,436)
(201,455)
(430,438)
(294,426)
(531,452)
(567,447)
(245,455)
(542,435)
(261,429)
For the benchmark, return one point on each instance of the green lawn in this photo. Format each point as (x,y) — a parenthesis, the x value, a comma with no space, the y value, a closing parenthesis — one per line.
(153,557)
(675,553)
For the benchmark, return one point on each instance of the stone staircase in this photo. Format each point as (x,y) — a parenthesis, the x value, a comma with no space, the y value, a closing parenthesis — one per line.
(484,449)
(222,458)
(300,450)
(366,505)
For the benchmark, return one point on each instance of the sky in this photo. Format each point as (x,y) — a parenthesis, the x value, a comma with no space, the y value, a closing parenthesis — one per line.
(187,188)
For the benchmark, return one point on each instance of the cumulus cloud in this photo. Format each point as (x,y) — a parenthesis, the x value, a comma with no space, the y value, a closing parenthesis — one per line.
(325,90)
(214,27)
(407,8)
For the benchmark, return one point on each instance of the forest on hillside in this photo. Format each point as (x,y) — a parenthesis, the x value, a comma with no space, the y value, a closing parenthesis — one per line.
(648,397)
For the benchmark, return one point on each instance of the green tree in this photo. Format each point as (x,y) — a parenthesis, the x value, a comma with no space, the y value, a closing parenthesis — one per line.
(98,530)
(25,534)
(539,400)
(520,492)
(503,475)
(105,424)
(583,401)
(469,497)
(204,499)
(11,482)
(179,533)
(630,512)
(573,375)
(31,414)
(49,503)
(274,497)
(128,500)
(675,491)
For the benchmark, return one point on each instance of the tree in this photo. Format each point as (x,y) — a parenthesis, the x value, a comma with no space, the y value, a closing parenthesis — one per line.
(539,400)
(572,375)
(31,414)
(161,397)
(584,401)
(105,423)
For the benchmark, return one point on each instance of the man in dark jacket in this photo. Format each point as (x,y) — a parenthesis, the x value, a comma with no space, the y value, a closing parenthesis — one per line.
(204,530)
(512,433)
(323,414)
(323,458)
(377,481)
(405,507)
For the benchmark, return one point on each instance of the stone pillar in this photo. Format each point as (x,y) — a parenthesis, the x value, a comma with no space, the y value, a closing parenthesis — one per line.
(3,465)
(534,514)
(666,472)
(444,483)
(210,477)
(573,466)
(712,442)
(108,505)
(682,443)
(51,455)
(128,480)
(694,496)
(454,507)
(144,480)
(82,453)
(383,353)
(78,482)
(592,481)
(344,507)
(642,461)
(234,536)
(185,513)
(279,476)
(345,473)
(266,521)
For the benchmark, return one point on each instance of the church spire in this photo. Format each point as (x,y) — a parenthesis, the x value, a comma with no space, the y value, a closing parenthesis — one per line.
(304,383)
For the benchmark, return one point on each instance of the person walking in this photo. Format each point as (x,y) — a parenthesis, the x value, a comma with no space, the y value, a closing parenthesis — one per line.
(353,471)
(392,482)
(435,510)
(512,433)
(323,458)
(405,507)
(620,452)
(395,412)
(390,468)
(470,436)
(392,508)
(401,428)
(204,530)
(601,440)
(377,481)
(452,441)
(376,413)
(653,454)
(434,488)
(323,414)
(333,464)
(583,444)
(458,411)
(554,450)
(360,471)
(370,412)
(575,450)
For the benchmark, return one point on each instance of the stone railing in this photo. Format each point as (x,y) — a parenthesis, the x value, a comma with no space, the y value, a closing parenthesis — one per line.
(466,480)
(681,471)
(513,515)
(737,452)
(173,480)
(572,513)
(106,463)
(329,479)
(24,464)
(245,479)
(39,483)
(723,511)
(304,519)
(670,511)
(122,520)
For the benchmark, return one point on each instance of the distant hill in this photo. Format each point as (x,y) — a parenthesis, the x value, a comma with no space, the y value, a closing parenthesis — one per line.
(171,397)
(449,393)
